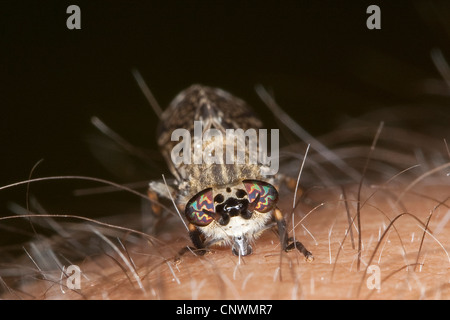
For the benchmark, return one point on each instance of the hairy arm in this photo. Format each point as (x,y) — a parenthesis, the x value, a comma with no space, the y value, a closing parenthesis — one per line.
(404,255)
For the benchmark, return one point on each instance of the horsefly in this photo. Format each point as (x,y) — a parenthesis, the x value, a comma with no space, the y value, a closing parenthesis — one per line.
(225,183)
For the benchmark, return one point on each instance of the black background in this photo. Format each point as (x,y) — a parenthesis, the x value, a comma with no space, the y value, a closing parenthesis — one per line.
(318,57)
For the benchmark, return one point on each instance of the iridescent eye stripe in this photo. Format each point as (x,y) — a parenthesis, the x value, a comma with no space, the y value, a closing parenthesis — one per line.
(253,190)
(265,199)
(268,195)
(206,198)
(201,218)
(197,207)
(204,206)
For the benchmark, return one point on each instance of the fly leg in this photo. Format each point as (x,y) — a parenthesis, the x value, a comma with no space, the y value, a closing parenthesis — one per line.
(157,192)
(198,241)
(156,208)
(287,243)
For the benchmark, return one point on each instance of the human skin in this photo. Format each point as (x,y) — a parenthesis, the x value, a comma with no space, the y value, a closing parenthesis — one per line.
(411,264)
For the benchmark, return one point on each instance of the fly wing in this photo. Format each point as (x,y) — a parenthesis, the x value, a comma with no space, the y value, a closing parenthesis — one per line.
(120,157)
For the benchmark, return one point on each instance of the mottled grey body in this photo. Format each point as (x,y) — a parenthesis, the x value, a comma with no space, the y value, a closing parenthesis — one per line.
(216,109)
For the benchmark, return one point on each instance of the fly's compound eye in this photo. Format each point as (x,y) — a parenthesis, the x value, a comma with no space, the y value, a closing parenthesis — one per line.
(262,195)
(200,209)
